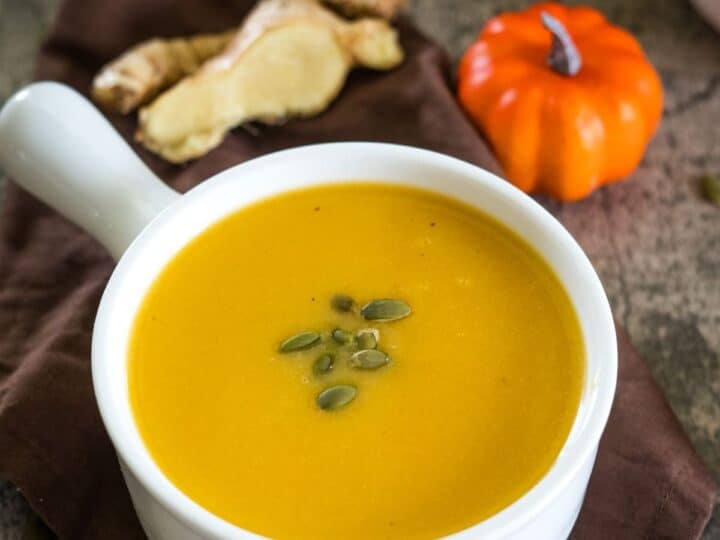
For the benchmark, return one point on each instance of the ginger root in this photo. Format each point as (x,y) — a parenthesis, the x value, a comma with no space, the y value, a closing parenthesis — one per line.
(387,9)
(144,71)
(289,58)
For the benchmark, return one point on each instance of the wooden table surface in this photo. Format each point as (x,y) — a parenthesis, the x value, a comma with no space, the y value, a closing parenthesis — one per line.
(654,240)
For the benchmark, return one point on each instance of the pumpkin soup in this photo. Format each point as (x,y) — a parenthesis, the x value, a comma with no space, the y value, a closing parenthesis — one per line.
(355,361)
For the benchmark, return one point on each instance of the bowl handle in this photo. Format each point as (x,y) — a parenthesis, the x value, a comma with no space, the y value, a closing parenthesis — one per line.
(56,145)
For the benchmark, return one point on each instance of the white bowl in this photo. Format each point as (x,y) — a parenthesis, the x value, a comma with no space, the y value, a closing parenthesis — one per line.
(56,145)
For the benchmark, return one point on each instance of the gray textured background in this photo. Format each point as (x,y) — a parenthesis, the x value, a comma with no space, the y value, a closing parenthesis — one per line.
(654,241)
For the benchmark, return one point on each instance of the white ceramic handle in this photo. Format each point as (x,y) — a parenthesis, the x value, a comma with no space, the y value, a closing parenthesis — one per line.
(57,145)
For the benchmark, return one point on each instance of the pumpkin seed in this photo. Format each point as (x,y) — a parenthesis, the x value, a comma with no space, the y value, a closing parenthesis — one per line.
(324,364)
(340,336)
(367,338)
(386,309)
(336,397)
(369,359)
(299,342)
(342,303)
(711,188)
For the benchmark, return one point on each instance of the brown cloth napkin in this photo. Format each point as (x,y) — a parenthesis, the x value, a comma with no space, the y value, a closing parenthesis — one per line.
(648,482)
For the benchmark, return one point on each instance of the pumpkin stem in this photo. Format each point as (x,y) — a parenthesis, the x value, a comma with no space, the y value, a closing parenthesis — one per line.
(564,57)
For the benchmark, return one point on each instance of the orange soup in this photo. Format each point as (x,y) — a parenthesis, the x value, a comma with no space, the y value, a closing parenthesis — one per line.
(356,361)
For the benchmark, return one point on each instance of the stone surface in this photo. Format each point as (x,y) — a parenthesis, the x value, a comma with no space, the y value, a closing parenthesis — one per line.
(653,239)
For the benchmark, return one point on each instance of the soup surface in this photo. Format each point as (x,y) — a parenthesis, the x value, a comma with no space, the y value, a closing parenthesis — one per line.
(480,392)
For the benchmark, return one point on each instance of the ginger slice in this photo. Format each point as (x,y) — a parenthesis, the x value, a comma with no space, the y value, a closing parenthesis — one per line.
(386,9)
(290,58)
(141,73)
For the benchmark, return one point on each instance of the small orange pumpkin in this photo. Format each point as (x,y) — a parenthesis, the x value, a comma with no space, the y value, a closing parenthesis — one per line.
(567,100)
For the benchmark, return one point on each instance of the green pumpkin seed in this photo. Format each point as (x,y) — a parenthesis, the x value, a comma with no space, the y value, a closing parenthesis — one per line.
(340,336)
(711,188)
(342,303)
(324,364)
(336,397)
(386,309)
(367,338)
(299,342)
(369,359)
